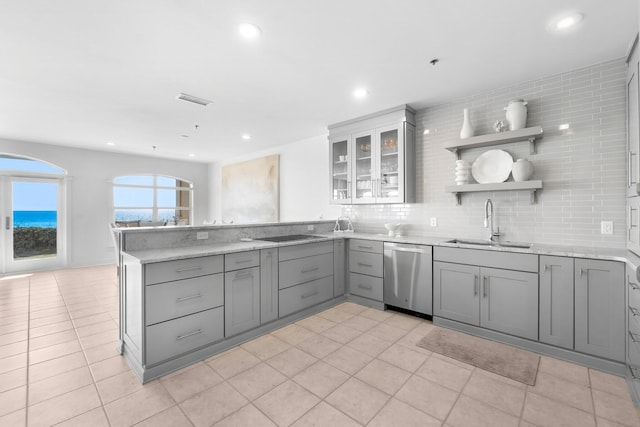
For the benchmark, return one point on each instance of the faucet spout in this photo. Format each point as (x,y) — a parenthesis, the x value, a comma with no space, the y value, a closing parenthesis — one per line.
(488,220)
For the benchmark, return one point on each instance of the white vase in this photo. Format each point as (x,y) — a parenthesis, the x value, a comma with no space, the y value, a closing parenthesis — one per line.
(462,172)
(522,170)
(467,130)
(516,114)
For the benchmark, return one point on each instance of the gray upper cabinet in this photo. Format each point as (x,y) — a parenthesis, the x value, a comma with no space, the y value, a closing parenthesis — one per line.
(556,301)
(241,300)
(599,308)
(268,285)
(633,123)
(372,158)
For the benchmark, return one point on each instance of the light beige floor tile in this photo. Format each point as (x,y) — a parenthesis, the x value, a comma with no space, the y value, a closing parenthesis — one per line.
(266,346)
(136,407)
(9,320)
(233,362)
(14,419)
(118,386)
(256,381)
(11,363)
(101,352)
(607,382)
(49,320)
(348,359)
(109,367)
(56,366)
(386,332)
(293,334)
(444,373)
(351,307)
(52,339)
(247,416)
(63,407)
(615,408)
(13,337)
(325,415)
(424,327)
(360,323)
(335,315)
(410,340)
(90,320)
(370,345)
(319,346)
(13,400)
(94,418)
(13,379)
(496,393)
(190,381)
(99,339)
(545,412)
(292,361)
(564,391)
(375,314)
(96,328)
(469,412)
(383,376)
(321,379)
(427,396)
(402,321)
(59,384)
(53,352)
(286,403)
(212,405)
(397,413)
(50,329)
(316,324)
(47,312)
(403,357)
(13,349)
(358,400)
(568,371)
(13,327)
(341,334)
(172,417)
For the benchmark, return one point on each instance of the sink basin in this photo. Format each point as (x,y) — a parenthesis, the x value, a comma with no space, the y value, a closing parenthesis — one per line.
(290,238)
(488,243)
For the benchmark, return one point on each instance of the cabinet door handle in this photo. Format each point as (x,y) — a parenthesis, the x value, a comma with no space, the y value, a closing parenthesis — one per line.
(634,337)
(309,270)
(190,334)
(184,270)
(546,267)
(242,274)
(310,294)
(365,247)
(242,261)
(581,272)
(362,264)
(190,297)
(485,286)
(629,168)
(475,285)
(367,287)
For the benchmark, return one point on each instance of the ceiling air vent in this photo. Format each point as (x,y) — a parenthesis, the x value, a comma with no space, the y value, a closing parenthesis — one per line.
(194,99)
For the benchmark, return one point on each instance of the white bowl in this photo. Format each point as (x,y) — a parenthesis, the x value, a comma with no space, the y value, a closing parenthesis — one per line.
(392,227)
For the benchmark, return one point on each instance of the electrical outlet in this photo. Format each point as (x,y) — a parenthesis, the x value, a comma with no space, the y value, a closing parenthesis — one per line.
(606,227)
(434,222)
(201,235)
(310,228)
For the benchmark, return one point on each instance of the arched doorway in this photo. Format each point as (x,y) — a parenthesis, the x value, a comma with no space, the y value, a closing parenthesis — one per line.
(33,223)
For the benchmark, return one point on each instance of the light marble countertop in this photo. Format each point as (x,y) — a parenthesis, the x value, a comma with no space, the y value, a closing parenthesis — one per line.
(219,248)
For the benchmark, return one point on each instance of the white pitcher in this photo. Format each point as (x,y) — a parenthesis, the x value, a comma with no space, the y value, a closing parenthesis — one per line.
(517,114)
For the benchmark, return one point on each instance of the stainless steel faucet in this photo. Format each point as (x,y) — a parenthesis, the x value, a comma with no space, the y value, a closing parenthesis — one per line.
(488,220)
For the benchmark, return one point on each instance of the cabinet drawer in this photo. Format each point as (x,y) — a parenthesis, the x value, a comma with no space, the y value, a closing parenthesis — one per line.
(487,258)
(182,269)
(634,292)
(175,299)
(304,250)
(240,260)
(169,339)
(305,295)
(366,263)
(366,246)
(365,286)
(303,270)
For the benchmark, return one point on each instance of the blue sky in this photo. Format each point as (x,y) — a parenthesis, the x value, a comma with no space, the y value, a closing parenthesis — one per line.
(35,196)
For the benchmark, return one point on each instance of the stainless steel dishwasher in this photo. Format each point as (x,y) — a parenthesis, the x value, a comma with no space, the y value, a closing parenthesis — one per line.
(408,281)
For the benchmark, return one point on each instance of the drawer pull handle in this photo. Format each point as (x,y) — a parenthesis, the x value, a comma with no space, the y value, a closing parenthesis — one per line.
(242,274)
(634,311)
(475,285)
(190,297)
(485,286)
(309,270)
(367,287)
(190,334)
(184,270)
(310,294)
(362,264)
(634,337)
(365,247)
(242,261)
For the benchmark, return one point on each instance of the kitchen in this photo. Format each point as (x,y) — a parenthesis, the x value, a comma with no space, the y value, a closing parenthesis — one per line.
(584,181)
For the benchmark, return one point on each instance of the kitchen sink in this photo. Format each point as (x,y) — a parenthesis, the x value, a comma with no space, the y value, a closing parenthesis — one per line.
(290,238)
(488,243)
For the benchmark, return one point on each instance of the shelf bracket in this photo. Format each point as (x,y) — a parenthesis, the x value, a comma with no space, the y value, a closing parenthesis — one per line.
(532,145)
(457,153)
(458,198)
(533,197)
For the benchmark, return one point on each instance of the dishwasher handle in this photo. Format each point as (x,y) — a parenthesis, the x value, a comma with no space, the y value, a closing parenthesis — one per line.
(412,250)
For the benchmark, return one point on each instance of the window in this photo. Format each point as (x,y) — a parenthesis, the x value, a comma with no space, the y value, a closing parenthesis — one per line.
(151,198)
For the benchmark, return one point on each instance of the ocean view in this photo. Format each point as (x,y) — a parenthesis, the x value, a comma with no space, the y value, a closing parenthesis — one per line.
(42,219)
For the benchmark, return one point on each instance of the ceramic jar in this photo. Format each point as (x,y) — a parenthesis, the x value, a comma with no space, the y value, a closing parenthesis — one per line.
(516,114)
(467,130)
(522,170)
(462,172)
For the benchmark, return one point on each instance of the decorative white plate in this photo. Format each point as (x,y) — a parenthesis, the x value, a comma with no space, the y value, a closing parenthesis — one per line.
(492,166)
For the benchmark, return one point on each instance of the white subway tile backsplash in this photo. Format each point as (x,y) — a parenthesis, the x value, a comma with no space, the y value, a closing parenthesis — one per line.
(583,168)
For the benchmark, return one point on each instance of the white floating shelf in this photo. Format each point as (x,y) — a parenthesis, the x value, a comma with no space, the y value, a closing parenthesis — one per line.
(498,138)
(531,186)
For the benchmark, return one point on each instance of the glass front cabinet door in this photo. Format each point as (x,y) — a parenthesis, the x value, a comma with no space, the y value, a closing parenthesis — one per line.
(340,170)
(389,168)
(363,173)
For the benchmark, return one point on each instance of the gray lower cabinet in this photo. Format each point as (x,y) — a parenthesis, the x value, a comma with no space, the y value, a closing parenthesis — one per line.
(339,271)
(241,300)
(498,299)
(268,285)
(599,308)
(366,269)
(633,336)
(556,301)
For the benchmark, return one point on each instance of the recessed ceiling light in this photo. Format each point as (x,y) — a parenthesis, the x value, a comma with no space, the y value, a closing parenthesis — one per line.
(565,22)
(191,155)
(246,136)
(111,144)
(249,31)
(360,93)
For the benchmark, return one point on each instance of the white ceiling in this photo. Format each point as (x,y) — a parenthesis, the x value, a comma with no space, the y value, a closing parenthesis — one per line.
(86,72)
